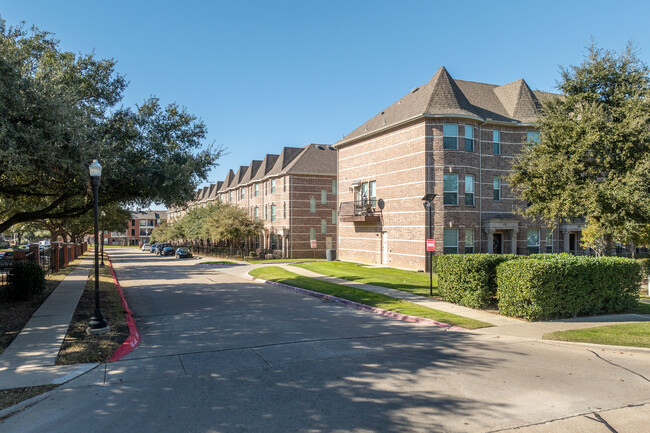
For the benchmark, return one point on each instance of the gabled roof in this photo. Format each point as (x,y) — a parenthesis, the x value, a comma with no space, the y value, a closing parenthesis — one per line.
(444,96)
(253,167)
(267,164)
(287,155)
(314,159)
(229,177)
(241,173)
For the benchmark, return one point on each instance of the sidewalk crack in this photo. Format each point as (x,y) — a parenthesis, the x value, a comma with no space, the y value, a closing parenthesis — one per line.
(619,366)
(601,420)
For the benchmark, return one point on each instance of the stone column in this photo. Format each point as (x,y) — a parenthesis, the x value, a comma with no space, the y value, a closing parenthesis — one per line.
(565,233)
(490,241)
(55,256)
(36,253)
(66,255)
(513,247)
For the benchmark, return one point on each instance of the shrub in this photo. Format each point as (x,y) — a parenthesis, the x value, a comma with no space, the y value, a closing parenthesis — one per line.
(560,285)
(24,281)
(645,266)
(469,279)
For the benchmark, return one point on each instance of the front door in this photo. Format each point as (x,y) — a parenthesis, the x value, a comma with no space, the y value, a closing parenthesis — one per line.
(572,243)
(497,243)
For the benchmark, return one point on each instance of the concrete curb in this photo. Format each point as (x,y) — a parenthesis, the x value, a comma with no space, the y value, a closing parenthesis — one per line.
(363,307)
(133,339)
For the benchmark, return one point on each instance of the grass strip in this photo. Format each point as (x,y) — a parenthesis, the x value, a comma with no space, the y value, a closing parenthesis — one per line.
(627,334)
(407,281)
(219,262)
(255,262)
(643,308)
(280,275)
(9,397)
(79,346)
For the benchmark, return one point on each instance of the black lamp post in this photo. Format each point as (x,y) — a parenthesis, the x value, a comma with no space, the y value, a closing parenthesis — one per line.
(428,204)
(97,323)
(102,252)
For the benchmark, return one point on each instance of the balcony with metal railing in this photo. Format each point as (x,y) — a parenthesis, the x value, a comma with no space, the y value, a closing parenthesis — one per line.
(359,211)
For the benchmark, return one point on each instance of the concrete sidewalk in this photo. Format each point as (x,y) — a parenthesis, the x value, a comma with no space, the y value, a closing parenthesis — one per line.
(502,325)
(29,360)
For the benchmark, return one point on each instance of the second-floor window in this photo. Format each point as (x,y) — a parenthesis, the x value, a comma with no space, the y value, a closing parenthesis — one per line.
(333,217)
(450,136)
(272,186)
(312,205)
(532,138)
(257,213)
(323,227)
(333,187)
(496,188)
(257,189)
(284,214)
(469,138)
(469,189)
(242,192)
(450,188)
(496,142)
(230,196)
(323,196)
(372,187)
(272,213)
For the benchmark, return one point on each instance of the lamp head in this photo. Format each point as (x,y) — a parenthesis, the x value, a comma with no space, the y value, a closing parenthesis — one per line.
(95,169)
(429,198)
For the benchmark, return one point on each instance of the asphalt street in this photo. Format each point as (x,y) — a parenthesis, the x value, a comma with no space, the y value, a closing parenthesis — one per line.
(223,354)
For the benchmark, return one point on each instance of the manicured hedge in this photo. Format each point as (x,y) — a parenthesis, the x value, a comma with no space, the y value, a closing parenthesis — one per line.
(469,279)
(560,285)
(24,281)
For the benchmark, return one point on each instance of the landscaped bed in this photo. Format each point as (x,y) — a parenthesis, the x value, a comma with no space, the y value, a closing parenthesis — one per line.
(627,334)
(408,281)
(274,273)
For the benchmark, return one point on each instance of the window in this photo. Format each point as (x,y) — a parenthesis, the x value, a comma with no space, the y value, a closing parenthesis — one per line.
(496,186)
(133,223)
(372,186)
(257,213)
(312,234)
(469,138)
(272,213)
(242,192)
(284,215)
(274,243)
(312,205)
(230,196)
(284,184)
(549,241)
(272,186)
(257,189)
(132,232)
(450,188)
(469,241)
(323,227)
(469,189)
(334,187)
(323,196)
(532,241)
(266,211)
(532,137)
(333,217)
(450,136)
(364,193)
(496,142)
(450,241)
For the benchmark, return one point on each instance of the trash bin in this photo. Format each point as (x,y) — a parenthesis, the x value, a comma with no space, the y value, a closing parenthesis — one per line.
(331,255)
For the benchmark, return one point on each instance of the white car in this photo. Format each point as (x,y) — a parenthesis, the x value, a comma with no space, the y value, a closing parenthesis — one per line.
(146,247)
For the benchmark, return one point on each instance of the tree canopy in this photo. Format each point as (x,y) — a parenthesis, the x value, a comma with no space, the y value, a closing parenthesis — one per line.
(58,112)
(593,158)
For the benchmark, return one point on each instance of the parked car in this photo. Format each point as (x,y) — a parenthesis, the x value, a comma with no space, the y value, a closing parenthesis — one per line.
(160,247)
(6,260)
(183,253)
(167,251)
(152,249)
(146,247)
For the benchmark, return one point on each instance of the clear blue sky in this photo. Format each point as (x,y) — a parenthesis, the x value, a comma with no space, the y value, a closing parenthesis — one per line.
(268,74)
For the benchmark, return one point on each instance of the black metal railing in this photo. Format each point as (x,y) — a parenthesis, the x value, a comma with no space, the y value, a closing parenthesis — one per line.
(359,208)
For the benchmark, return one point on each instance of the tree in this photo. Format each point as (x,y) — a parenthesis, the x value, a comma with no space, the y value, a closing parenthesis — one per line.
(593,156)
(58,112)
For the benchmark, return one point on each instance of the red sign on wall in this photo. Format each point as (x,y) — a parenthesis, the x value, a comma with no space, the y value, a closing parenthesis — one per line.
(313,243)
(431,244)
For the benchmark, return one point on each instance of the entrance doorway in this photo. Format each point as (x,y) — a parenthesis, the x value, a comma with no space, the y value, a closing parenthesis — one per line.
(497,243)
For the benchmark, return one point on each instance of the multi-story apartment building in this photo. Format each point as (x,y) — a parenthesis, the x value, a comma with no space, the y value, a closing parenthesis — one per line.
(293,193)
(455,139)
(138,230)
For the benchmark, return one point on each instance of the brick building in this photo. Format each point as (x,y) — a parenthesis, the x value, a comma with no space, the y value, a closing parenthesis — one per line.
(456,139)
(138,230)
(293,193)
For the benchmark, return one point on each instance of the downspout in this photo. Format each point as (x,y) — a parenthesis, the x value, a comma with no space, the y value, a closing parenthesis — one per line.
(480,184)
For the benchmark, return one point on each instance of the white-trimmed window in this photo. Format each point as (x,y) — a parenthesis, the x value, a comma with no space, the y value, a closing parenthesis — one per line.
(496,142)
(241,190)
(257,189)
(469,138)
(257,213)
(323,196)
(469,241)
(230,196)
(323,226)
(450,188)
(496,188)
(532,137)
(272,213)
(333,217)
(272,186)
(450,136)
(372,187)
(532,241)
(469,190)
(450,241)
(549,241)
(312,205)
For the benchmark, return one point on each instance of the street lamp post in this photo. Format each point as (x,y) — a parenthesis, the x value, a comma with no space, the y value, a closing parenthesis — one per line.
(97,323)
(102,252)
(428,204)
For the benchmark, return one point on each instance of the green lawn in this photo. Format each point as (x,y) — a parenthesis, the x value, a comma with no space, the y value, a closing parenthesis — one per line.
(274,273)
(643,308)
(254,262)
(408,281)
(220,262)
(628,334)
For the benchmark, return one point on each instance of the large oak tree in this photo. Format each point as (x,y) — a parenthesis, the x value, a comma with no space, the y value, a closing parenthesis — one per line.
(59,111)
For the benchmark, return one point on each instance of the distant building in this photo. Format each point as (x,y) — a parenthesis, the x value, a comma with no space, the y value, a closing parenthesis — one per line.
(139,228)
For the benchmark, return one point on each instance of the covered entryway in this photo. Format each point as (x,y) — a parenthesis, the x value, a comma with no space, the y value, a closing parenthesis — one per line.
(496,230)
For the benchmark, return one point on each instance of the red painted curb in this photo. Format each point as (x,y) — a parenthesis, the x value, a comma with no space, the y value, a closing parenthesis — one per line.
(133,339)
(364,307)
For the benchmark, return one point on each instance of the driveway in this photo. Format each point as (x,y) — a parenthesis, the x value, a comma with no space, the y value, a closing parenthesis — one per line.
(223,354)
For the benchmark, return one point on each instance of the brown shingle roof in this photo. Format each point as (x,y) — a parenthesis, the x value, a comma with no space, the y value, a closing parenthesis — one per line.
(442,95)
(227,181)
(266,166)
(287,155)
(314,159)
(252,171)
